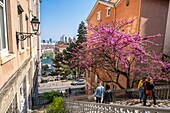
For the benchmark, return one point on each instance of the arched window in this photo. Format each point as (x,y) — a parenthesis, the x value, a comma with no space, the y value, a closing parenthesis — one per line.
(107,11)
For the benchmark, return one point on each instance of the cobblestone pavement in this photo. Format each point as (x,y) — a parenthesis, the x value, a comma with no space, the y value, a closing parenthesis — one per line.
(135,102)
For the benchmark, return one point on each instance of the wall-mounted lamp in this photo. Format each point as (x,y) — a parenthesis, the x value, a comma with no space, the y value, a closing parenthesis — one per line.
(21,36)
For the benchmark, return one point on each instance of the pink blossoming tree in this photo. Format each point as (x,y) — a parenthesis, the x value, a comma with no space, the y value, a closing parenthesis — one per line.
(117,53)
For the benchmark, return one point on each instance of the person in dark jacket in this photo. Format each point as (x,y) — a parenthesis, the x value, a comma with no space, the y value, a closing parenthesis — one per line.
(149,86)
(69,91)
(108,95)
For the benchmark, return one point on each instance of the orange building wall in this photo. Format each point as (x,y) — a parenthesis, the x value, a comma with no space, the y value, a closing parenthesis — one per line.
(101,7)
(131,12)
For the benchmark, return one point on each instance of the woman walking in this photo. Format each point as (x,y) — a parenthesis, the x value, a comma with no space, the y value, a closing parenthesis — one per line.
(108,95)
(149,87)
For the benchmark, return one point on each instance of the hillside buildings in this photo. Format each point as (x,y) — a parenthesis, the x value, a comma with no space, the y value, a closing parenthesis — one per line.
(19,60)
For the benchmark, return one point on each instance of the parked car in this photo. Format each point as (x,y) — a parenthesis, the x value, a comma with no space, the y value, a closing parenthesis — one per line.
(79,82)
(44,81)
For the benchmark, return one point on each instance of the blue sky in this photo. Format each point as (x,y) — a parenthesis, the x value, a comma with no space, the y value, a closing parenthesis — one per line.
(60,17)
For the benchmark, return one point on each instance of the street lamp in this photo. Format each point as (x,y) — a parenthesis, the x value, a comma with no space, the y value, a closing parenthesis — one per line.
(21,36)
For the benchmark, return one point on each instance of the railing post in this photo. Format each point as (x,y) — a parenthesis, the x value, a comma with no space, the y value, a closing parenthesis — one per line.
(168,93)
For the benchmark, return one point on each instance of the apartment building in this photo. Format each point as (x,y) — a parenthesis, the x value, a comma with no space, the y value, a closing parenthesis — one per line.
(19,60)
(150,17)
(61,46)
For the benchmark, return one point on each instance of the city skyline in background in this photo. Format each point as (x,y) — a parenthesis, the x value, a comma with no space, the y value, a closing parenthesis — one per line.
(73,12)
(63,39)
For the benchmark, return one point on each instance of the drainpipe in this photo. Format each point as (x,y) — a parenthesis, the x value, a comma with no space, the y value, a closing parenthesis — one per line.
(114,5)
(114,11)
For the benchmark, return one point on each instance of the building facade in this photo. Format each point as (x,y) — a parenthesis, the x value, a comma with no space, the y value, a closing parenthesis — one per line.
(150,18)
(19,60)
(61,46)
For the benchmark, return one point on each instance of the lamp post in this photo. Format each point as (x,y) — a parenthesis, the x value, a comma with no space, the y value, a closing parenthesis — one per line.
(21,36)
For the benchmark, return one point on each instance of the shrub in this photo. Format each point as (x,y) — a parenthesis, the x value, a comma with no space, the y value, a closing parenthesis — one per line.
(51,95)
(57,106)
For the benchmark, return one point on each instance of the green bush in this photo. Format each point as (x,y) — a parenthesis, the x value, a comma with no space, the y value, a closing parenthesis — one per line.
(51,95)
(48,54)
(57,106)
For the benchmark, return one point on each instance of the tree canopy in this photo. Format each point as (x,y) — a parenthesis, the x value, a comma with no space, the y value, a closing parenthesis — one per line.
(82,33)
(62,59)
(118,53)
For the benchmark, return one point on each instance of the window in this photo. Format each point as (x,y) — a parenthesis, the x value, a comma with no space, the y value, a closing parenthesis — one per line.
(3,31)
(20,10)
(27,40)
(95,78)
(31,4)
(23,94)
(13,106)
(114,87)
(22,98)
(37,9)
(107,11)
(105,65)
(98,15)
(88,73)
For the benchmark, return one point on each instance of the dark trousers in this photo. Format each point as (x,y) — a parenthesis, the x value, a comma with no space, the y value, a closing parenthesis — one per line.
(98,100)
(153,96)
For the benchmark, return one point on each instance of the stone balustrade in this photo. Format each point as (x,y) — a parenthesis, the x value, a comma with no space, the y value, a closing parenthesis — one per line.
(91,107)
(161,92)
